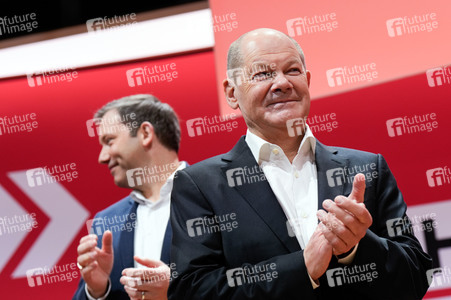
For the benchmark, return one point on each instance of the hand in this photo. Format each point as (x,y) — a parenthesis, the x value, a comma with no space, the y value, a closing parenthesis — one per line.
(96,263)
(317,254)
(347,219)
(151,282)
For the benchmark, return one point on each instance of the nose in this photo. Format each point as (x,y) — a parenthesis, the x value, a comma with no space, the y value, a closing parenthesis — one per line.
(104,156)
(281,83)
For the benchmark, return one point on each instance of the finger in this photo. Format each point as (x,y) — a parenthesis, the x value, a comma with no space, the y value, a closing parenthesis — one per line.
(357,209)
(107,242)
(88,238)
(130,281)
(346,218)
(89,245)
(133,293)
(339,246)
(358,188)
(87,258)
(89,268)
(133,272)
(148,262)
(337,227)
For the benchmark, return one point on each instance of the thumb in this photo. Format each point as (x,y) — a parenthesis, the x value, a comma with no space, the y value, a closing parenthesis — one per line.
(148,262)
(358,188)
(107,242)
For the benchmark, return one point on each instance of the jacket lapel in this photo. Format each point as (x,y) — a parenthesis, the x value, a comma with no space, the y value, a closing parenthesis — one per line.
(258,192)
(331,178)
(127,238)
(166,249)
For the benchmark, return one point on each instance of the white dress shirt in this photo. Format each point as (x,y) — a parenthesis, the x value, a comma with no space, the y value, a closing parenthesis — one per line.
(294,184)
(151,222)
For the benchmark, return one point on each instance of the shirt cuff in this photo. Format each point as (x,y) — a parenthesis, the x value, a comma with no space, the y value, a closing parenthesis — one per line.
(314,285)
(101,298)
(348,259)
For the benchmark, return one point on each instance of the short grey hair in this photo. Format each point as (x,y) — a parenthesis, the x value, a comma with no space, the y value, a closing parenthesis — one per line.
(147,108)
(235,59)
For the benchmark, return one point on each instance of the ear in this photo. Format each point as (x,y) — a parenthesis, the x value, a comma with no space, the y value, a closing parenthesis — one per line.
(146,134)
(229,91)
(308,77)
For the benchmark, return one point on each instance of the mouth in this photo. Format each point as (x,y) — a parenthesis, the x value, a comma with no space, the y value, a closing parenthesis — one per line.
(112,166)
(283,101)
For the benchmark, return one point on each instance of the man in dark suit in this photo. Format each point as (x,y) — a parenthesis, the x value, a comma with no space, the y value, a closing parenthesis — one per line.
(127,254)
(246,224)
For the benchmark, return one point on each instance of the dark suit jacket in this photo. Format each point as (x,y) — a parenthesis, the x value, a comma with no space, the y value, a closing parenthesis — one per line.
(123,230)
(261,236)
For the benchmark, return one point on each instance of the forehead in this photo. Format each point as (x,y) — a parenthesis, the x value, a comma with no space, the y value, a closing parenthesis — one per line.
(268,47)
(110,123)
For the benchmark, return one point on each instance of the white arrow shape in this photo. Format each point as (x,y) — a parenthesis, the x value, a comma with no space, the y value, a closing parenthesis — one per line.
(66,216)
(10,236)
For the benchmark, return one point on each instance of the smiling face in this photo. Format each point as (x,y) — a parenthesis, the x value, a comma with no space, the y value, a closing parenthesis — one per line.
(267,101)
(120,151)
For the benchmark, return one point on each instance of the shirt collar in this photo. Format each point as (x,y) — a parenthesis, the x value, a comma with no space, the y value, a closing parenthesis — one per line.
(165,190)
(261,149)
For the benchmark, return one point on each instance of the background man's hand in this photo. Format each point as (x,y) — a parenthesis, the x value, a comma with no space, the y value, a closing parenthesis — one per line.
(347,218)
(317,254)
(97,263)
(152,280)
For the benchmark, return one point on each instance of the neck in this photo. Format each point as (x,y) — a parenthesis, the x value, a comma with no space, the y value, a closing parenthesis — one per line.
(290,145)
(159,170)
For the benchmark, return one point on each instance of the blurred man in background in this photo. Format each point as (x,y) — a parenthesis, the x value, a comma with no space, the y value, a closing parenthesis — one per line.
(128,252)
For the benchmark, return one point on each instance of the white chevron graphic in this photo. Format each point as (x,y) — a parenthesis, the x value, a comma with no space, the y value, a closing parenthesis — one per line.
(66,216)
(10,239)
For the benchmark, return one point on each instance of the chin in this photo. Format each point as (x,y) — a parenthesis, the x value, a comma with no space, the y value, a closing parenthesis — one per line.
(121,182)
